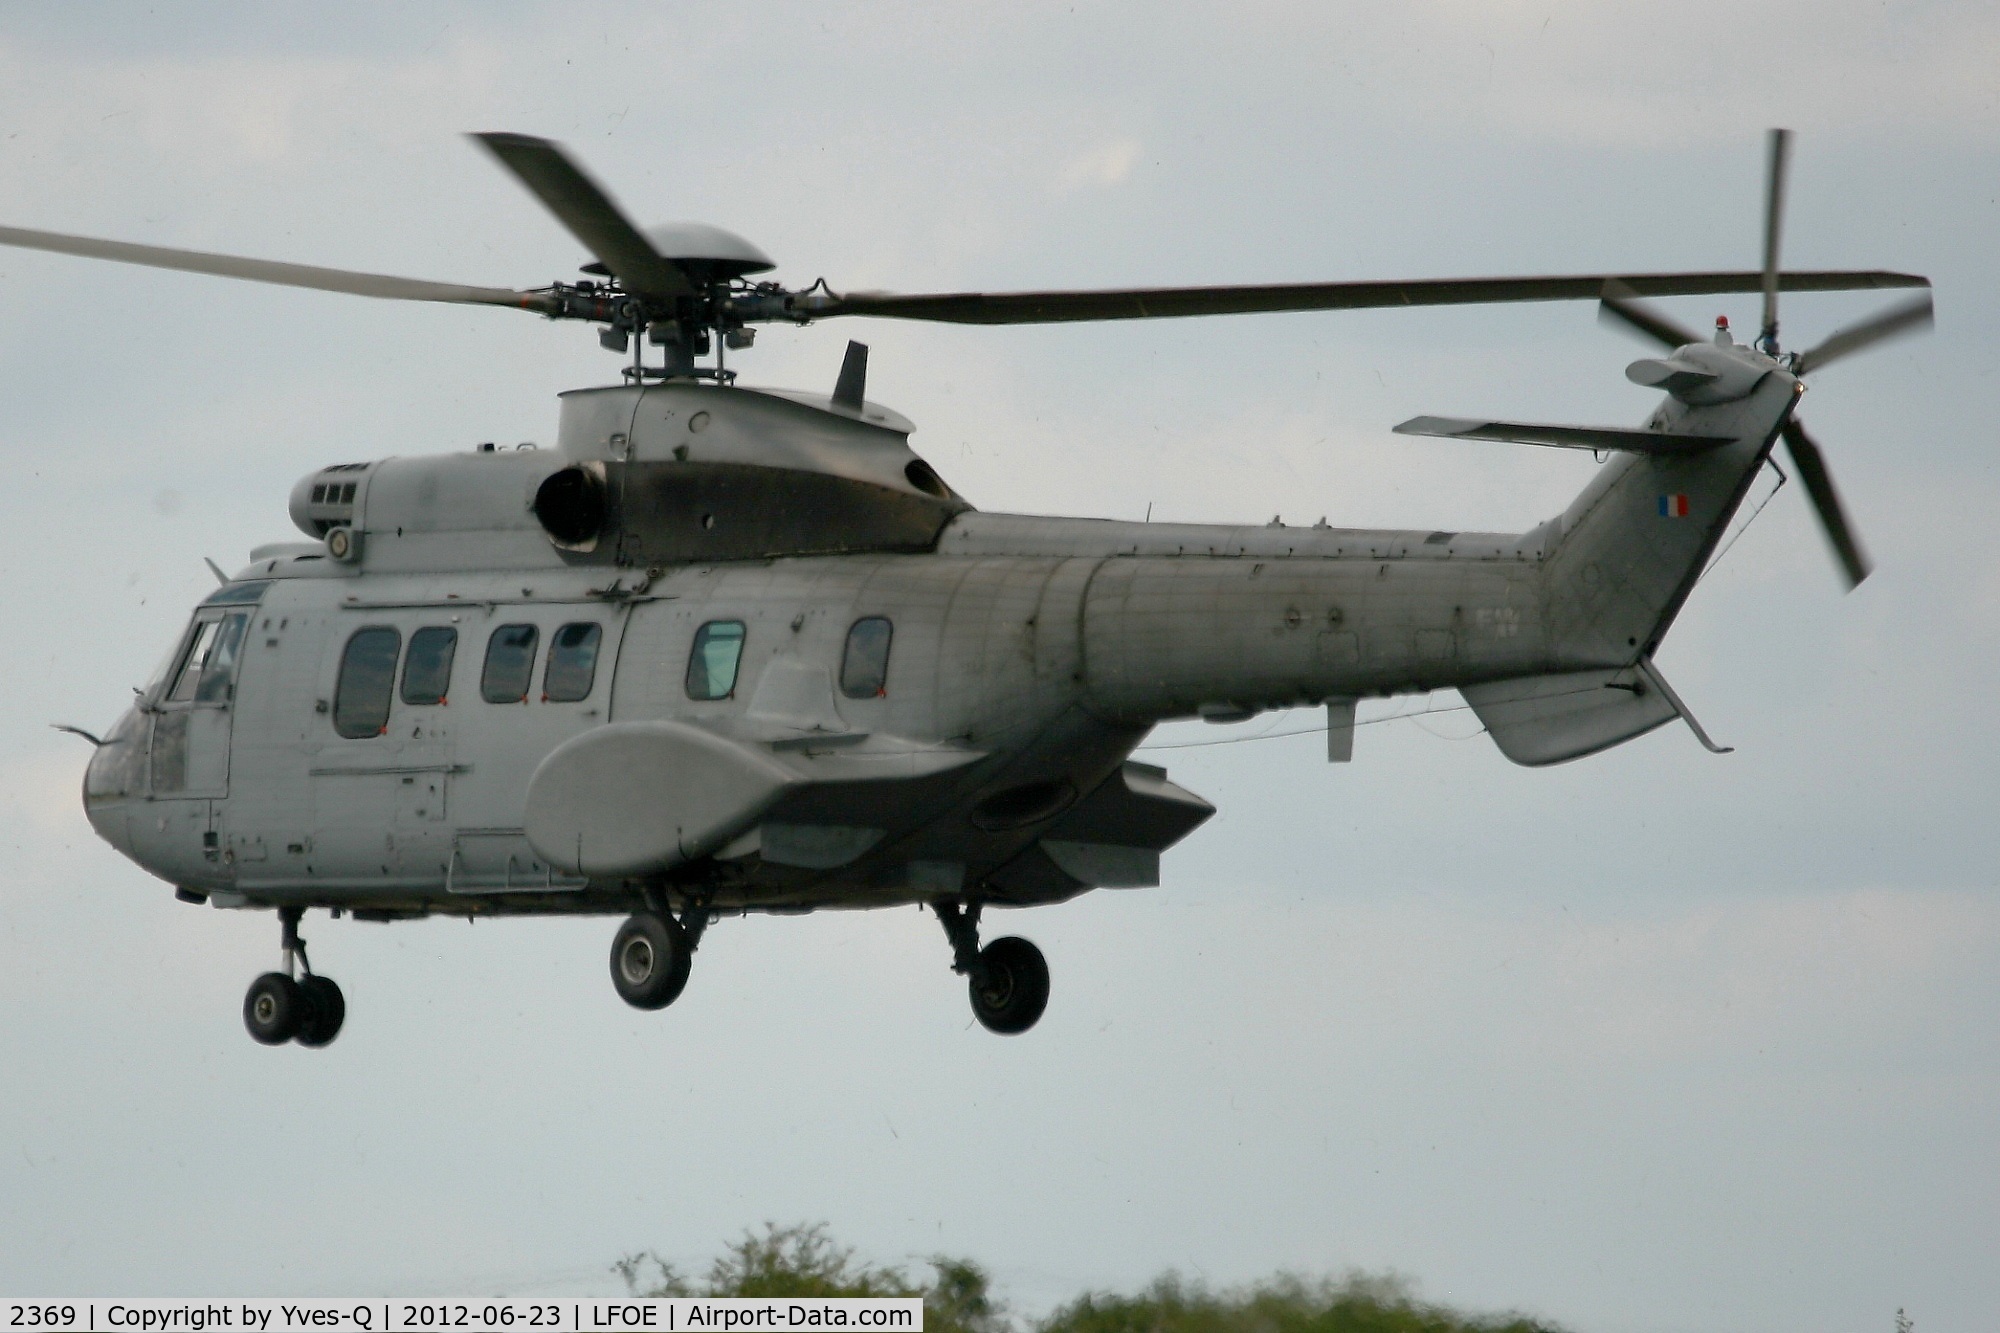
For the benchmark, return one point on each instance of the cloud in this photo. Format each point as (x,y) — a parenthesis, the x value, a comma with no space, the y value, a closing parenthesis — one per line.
(42,790)
(1840,969)
(1621,75)
(1101,167)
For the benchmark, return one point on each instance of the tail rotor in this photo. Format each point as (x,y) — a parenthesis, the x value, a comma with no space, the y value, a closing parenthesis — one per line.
(1620,307)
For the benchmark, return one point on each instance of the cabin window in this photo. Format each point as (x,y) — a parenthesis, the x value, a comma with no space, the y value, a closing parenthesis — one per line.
(510,664)
(427,670)
(864,669)
(572,663)
(718,651)
(367,680)
(192,663)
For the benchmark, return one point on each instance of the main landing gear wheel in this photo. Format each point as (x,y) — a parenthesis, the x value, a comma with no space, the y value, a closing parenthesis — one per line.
(1014,989)
(1008,979)
(278,1009)
(326,1010)
(273,1009)
(650,960)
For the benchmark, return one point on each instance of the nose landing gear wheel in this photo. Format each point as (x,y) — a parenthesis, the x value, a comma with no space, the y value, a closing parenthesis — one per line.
(1010,988)
(650,960)
(273,1009)
(326,1010)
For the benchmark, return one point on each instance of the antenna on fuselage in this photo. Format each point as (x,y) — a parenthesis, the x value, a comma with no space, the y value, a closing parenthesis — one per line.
(852,386)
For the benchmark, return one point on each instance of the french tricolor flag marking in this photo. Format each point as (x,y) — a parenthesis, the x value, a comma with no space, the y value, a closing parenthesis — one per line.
(1673,506)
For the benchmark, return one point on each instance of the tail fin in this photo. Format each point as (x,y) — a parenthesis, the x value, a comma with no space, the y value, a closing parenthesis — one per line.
(1618,564)
(1623,557)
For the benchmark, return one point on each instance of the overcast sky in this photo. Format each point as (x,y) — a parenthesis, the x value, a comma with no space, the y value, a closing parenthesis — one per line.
(1654,1041)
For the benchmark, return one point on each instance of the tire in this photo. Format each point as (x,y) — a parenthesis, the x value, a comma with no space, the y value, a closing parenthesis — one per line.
(649,961)
(273,1009)
(1016,988)
(325,1011)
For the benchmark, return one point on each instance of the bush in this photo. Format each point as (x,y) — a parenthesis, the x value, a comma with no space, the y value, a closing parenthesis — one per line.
(1358,1303)
(803,1260)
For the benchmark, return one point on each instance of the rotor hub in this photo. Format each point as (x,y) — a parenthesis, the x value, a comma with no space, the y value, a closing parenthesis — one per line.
(707,253)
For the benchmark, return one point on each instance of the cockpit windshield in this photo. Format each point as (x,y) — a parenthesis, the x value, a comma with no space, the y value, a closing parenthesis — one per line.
(238,594)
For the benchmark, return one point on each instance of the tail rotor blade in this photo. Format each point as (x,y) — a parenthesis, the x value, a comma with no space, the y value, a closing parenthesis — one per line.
(1903,317)
(1811,465)
(589,213)
(1618,304)
(1774,225)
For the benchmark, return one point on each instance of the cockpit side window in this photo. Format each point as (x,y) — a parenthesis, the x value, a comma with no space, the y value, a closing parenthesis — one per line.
(718,652)
(427,670)
(218,671)
(572,666)
(192,663)
(864,668)
(510,664)
(366,683)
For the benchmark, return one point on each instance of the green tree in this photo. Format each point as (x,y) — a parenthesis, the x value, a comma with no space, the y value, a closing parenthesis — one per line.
(803,1260)
(1357,1303)
(960,1300)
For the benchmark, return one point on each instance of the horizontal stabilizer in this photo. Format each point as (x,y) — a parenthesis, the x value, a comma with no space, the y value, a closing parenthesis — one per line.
(1537,720)
(1564,437)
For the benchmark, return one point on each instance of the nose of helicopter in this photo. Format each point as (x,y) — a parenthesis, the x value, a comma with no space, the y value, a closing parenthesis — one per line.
(114,778)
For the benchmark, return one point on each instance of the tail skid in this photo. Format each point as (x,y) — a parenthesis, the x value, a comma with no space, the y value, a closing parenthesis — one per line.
(1659,682)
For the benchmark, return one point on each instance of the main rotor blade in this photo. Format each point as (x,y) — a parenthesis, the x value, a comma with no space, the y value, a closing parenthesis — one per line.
(1806,457)
(1174,302)
(1774,224)
(582,205)
(1617,304)
(1903,317)
(285,275)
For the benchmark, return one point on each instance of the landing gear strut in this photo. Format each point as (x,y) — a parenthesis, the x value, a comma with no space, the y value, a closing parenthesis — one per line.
(652,952)
(283,1006)
(1008,979)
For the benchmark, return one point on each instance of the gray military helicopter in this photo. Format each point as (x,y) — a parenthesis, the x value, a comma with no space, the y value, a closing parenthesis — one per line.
(731,650)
